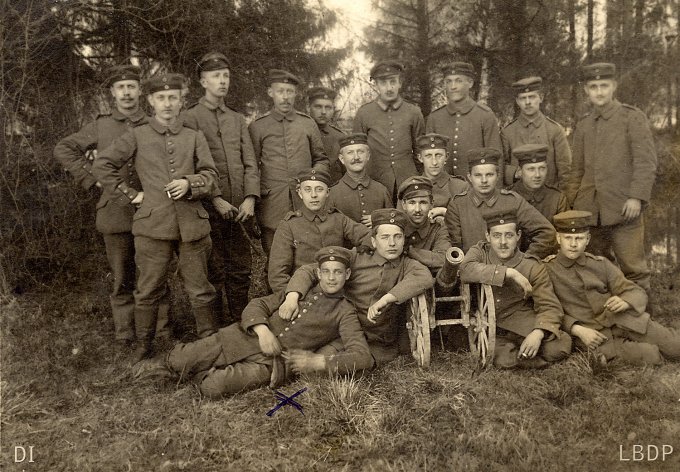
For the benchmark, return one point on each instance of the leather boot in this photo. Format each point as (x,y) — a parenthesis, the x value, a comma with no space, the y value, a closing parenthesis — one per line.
(205,324)
(145,325)
(237,303)
(219,315)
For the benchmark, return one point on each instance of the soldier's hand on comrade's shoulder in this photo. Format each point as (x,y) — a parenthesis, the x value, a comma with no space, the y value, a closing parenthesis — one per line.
(177,188)
(592,338)
(289,308)
(436,214)
(269,345)
(616,304)
(137,201)
(519,279)
(302,362)
(631,209)
(246,209)
(224,208)
(531,344)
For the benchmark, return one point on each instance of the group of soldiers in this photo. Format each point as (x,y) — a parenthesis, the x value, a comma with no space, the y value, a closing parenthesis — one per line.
(356,224)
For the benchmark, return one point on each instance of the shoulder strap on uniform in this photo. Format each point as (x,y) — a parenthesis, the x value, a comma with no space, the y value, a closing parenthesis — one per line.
(630,107)
(260,117)
(303,114)
(291,214)
(594,257)
(483,106)
(549,258)
(553,121)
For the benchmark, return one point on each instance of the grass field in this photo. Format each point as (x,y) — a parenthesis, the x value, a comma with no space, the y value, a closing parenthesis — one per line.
(66,393)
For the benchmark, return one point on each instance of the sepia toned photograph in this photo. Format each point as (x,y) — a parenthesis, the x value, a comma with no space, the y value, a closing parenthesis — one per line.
(340,235)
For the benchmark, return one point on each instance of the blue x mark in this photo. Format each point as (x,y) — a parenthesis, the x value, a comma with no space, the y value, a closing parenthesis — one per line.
(286,400)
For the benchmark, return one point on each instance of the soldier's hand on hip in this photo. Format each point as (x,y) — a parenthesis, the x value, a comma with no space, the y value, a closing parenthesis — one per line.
(224,208)
(177,188)
(631,209)
(137,201)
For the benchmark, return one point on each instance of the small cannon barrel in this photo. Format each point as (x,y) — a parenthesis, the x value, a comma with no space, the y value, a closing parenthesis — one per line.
(448,274)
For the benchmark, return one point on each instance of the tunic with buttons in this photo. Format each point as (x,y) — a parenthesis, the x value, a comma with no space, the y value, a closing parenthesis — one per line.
(358,198)
(585,284)
(428,244)
(284,145)
(160,154)
(302,233)
(613,159)
(322,318)
(514,312)
(466,225)
(445,186)
(74,152)
(231,149)
(392,131)
(539,130)
(372,277)
(469,125)
(547,199)
(330,136)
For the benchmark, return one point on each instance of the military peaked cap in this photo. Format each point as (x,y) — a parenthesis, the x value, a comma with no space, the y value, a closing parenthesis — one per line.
(389,216)
(572,221)
(333,253)
(283,77)
(321,92)
(530,153)
(528,84)
(354,138)
(459,68)
(482,156)
(500,218)
(600,70)
(123,72)
(416,186)
(212,61)
(313,174)
(166,81)
(386,69)
(432,141)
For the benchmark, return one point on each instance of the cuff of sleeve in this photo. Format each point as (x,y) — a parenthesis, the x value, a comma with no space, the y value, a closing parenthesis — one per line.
(248,322)
(198,187)
(568,322)
(129,193)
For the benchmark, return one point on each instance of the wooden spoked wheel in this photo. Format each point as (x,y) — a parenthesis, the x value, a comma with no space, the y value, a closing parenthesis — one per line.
(418,326)
(482,329)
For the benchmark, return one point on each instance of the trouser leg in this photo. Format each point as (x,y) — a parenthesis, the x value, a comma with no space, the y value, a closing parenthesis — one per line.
(254,371)
(120,252)
(666,339)
(188,359)
(628,243)
(217,266)
(239,263)
(193,267)
(557,348)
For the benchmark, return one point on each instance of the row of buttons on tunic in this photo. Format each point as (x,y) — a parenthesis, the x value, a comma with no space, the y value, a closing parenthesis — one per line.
(304,310)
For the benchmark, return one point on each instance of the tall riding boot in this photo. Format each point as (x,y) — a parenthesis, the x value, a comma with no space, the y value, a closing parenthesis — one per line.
(219,315)
(205,324)
(145,325)
(237,303)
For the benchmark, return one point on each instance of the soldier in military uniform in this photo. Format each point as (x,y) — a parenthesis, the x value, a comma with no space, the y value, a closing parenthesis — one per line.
(533,127)
(176,171)
(285,141)
(114,216)
(613,173)
(392,126)
(379,279)
(604,311)
(532,165)
(468,124)
(305,231)
(246,355)
(528,314)
(433,155)
(465,214)
(426,242)
(356,194)
(322,110)
(232,206)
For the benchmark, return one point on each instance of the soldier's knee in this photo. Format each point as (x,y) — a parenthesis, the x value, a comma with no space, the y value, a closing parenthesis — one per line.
(210,384)
(557,349)
(640,353)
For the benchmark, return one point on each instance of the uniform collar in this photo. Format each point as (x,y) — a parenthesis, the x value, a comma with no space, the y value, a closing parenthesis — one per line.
(380,260)
(212,106)
(278,116)
(512,262)
(160,128)
(386,106)
(477,200)
(317,291)
(323,129)
(310,215)
(422,230)
(566,262)
(442,179)
(608,110)
(464,106)
(135,117)
(353,184)
(536,120)
(537,195)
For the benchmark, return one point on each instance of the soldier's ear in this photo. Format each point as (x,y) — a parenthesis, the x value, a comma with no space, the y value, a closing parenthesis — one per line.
(420,158)
(519,233)
(317,271)
(373,242)
(348,272)
(488,237)
(270,92)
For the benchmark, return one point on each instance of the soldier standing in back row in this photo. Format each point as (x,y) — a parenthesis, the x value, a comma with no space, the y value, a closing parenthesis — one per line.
(285,141)
(467,123)
(613,172)
(232,206)
(533,127)
(392,126)
(114,215)
(322,110)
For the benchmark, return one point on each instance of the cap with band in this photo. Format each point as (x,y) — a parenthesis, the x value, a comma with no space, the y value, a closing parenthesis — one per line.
(528,84)
(333,253)
(572,221)
(315,93)
(386,69)
(459,68)
(499,218)
(354,138)
(431,141)
(416,186)
(389,216)
(212,61)
(320,175)
(479,156)
(599,70)
(283,77)
(530,153)
(161,82)
(122,72)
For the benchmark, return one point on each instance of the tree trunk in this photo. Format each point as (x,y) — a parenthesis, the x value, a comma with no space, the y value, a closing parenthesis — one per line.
(590,28)
(639,17)
(573,58)
(121,32)
(423,43)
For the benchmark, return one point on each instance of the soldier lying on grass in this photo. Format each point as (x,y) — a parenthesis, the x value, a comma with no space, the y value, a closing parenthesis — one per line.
(249,355)
(604,311)
(528,313)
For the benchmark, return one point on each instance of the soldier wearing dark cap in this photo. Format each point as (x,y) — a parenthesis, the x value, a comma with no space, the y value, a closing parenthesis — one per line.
(528,314)
(604,311)
(176,171)
(466,211)
(426,241)
(248,354)
(322,110)
(613,173)
(286,141)
(114,219)
(232,206)
(533,127)
(392,126)
(308,229)
(532,165)
(379,279)
(356,194)
(467,123)
(433,154)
